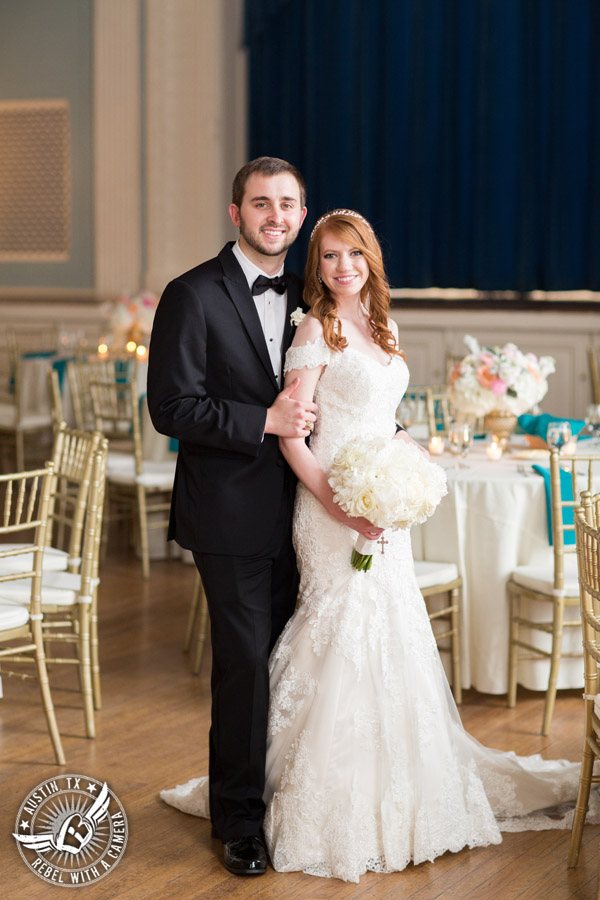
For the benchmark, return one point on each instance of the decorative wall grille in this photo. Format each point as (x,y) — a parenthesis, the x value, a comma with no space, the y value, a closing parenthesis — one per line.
(35,181)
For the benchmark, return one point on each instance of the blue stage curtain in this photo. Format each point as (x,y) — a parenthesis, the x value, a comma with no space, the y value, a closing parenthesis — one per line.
(467,131)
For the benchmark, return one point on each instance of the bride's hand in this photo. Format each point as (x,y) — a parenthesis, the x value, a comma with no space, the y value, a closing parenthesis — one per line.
(358,523)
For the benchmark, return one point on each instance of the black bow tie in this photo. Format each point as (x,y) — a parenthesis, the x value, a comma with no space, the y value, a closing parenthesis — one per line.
(262,284)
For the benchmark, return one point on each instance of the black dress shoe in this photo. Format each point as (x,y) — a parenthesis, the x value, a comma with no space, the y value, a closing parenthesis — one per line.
(245,856)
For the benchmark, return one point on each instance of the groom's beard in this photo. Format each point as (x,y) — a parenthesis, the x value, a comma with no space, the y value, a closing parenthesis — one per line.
(255,240)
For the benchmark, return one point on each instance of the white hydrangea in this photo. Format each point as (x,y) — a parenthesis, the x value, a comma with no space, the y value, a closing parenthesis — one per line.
(499,378)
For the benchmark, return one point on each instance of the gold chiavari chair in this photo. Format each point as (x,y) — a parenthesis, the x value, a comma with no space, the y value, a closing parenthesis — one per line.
(438,409)
(435,579)
(556,586)
(26,339)
(72,459)
(69,599)
(80,373)
(24,412)
(138,489)
(587,530)
(25,502)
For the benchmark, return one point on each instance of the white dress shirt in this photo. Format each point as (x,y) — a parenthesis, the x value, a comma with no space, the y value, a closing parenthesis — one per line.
(271,308)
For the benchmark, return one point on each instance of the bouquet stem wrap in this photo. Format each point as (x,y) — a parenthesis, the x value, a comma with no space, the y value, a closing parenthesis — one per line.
(362,555)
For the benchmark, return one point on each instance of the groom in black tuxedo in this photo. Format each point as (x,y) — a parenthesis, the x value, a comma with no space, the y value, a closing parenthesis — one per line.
(214,378)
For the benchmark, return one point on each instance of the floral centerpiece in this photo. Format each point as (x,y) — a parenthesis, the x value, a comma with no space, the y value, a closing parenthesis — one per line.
(501,380)
(131,317)
(390,483)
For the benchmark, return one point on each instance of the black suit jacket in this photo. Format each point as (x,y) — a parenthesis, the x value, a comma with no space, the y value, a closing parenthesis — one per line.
(210,381)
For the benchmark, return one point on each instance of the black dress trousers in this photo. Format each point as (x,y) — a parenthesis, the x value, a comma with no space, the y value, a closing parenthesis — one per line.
(250,599)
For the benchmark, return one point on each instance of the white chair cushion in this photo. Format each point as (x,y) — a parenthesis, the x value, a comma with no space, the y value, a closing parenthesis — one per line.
(12,615)
(31,421)
(541,578)
(54,560)
(8,414)
(431,573)
(119,462)
(58,589)
(154,474)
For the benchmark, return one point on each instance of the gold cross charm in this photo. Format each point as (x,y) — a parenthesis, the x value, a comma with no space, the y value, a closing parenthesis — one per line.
(382,541)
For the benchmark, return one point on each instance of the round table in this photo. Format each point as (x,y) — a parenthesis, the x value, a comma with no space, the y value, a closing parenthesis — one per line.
(493,519)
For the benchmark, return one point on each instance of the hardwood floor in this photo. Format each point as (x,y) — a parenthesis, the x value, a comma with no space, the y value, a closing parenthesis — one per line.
(152,733)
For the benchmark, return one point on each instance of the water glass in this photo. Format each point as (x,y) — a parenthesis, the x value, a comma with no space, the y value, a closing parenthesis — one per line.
(558,434)
(460,437)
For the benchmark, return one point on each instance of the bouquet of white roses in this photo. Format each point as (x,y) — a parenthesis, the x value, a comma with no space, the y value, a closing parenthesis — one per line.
(499,378)
(390,483)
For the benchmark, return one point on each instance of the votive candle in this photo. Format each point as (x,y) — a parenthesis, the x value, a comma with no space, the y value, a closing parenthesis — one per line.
(436,445)
(494,450)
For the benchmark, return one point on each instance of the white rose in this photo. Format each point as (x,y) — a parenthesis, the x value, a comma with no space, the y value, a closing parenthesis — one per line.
(297,316)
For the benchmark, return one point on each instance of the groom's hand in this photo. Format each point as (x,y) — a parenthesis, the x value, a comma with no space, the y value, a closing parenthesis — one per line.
(288,417)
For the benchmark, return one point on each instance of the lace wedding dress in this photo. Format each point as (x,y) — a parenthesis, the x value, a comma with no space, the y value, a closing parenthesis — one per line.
(368,765)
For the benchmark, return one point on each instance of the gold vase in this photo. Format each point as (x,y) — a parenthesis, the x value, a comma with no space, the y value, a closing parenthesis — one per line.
(501,424)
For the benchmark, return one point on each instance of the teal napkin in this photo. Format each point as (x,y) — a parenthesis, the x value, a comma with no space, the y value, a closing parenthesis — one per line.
(566,493)
(60,365)
(538,425)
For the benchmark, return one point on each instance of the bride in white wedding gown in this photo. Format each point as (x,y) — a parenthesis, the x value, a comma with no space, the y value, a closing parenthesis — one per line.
(368,765)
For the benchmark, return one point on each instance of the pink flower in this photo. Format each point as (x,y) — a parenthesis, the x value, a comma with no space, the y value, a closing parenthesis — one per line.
(485,377)
(498,387)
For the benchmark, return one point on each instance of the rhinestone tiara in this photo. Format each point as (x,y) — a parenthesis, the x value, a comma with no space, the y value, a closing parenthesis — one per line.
(340,212)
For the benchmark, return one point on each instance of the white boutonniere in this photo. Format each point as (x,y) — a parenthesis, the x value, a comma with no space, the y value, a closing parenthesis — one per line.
(297,316)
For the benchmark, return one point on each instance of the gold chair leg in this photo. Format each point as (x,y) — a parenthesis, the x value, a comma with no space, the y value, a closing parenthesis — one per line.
(105,524)
(557,634)
(202,630)
(193,612)
(143,525)
(85,670)
(455,596)
(95,656)
(42,674)
(581,808)
(513,635)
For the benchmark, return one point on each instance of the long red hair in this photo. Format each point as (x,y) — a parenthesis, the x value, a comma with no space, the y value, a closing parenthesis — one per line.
(353,229)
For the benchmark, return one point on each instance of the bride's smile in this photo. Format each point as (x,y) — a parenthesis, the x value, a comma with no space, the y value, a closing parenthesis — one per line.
(343,268)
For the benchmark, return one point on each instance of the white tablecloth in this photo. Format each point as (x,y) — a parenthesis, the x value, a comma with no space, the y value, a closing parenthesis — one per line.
(493,519)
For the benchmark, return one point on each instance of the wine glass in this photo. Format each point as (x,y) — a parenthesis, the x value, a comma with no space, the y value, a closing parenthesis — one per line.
(591,431)
(460,437)
(558,434)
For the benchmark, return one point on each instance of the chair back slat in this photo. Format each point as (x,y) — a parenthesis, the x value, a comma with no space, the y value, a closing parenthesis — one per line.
(56,404)
(117,416)
(583,469)
(587,531)
(82,372)
(25,503)
(73,459)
